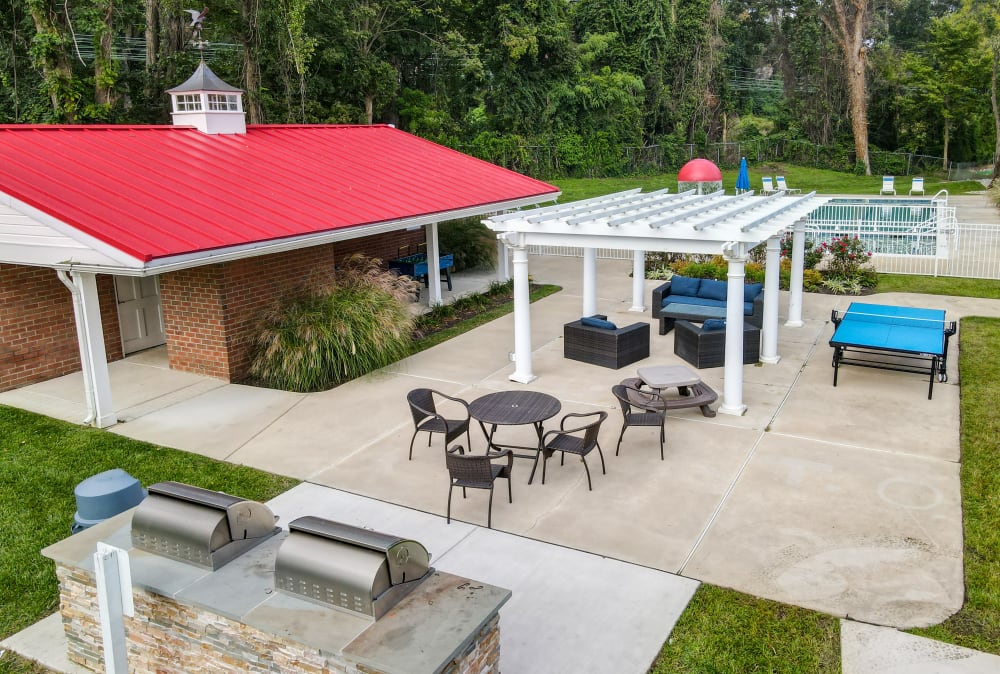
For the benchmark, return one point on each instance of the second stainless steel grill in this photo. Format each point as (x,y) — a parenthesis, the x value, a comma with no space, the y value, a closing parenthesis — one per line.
(348,567)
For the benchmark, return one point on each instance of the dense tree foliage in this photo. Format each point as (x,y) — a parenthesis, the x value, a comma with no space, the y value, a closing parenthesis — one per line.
(590,81)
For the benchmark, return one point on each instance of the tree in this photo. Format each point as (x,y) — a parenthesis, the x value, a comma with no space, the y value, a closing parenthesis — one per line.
(847,21)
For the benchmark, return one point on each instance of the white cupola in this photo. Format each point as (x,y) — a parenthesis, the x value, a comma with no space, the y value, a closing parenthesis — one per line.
(208,104)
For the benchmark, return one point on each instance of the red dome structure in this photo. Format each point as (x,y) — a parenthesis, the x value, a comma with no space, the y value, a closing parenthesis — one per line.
(699,171)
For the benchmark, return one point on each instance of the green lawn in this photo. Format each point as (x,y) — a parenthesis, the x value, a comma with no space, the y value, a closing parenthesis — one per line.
(42,460)
(800,177)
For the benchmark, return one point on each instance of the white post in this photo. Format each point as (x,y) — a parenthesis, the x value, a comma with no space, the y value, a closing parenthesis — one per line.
(589,281)
(96,358)
(503,268)
(433,266)
(795,280)
(114,602)
(732,398)
(638,280)
(772,273)
(522,310)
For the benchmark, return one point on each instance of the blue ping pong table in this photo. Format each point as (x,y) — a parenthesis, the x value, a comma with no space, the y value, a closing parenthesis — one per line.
(905,339)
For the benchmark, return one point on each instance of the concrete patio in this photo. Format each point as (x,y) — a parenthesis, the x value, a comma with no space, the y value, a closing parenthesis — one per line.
(845,500)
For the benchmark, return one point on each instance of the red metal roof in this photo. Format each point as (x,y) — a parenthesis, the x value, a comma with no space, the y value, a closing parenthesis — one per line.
(158,191)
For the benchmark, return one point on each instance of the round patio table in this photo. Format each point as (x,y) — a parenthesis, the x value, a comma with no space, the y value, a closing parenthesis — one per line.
(514,408)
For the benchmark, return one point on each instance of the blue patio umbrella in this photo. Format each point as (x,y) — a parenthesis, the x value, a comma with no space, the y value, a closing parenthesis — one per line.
(743,179)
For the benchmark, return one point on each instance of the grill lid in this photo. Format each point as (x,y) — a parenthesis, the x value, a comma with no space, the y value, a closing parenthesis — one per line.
(199,526)
(348,567)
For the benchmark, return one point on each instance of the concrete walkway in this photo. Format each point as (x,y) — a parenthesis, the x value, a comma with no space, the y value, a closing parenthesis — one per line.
(844,500)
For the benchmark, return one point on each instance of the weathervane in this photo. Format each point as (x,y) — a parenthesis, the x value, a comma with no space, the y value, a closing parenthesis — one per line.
(197,18)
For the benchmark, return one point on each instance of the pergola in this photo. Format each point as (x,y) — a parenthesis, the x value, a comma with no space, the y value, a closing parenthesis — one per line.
(713,224)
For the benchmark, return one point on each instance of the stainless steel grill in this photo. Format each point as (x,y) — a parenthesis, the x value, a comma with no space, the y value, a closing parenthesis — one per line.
(199,526)
(348,567)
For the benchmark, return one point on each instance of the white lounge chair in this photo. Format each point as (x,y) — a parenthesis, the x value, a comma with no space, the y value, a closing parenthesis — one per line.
(767,187)
(888,185)
(917,186)
(782,187)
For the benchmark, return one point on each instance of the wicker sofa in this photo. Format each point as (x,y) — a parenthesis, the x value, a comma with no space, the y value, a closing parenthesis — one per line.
(693,299)
(608,348)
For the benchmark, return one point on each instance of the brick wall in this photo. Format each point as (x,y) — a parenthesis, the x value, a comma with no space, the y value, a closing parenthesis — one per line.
(167,637)
(211,313)
(37,327)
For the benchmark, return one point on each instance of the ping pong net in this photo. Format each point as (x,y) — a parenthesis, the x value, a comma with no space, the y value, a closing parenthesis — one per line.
(894,319)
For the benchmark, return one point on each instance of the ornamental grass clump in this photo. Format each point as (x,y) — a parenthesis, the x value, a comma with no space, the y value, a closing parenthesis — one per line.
(330,333)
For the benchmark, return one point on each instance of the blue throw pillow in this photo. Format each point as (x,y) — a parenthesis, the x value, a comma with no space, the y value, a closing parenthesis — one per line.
(751,290)
(714,324)
(594,322)
(713,290)
(683,285)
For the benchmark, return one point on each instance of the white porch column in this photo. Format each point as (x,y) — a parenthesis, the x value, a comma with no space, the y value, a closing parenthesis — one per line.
(503,267)
(772,273)
(638,280)
(795,280)
(433,265)
(732,397)
(589,281)
(93,357)
(522,310)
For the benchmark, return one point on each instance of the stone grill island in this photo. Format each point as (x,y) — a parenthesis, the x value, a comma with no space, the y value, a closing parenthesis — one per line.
(238,618)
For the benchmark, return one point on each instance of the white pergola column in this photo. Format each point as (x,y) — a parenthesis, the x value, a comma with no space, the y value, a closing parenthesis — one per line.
(433,266)
(522,311)
(589,281)
(795,280)
(638,280)
(93,357)
(732,396)
(772,274)
(503,266)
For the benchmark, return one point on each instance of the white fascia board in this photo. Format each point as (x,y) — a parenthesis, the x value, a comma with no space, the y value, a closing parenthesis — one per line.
(229,254)
(104,250)
(623,242)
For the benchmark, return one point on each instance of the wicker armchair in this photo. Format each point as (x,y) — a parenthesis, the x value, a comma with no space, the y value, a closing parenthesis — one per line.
(607,348)
(640,408)
(569,440)
(427,419)
(477,471)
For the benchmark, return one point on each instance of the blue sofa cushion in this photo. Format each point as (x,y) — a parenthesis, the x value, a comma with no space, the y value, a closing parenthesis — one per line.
(683,285)
(594,322)
(714,324)
(711,289)
(751,290)
(700,301)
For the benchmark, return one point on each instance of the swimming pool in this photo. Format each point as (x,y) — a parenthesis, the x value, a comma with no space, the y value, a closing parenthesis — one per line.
(887,226)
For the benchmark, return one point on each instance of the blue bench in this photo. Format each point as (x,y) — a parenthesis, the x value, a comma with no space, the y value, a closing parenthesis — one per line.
(696,299)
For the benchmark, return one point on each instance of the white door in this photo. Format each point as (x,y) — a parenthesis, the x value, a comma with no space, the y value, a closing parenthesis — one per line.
(139,313)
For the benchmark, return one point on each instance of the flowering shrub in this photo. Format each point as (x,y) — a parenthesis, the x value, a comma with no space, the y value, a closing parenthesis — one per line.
(813,254)
(845,256)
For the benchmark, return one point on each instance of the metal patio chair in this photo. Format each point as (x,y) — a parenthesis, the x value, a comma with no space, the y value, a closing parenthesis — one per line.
(640,408)
(477,471)
(580,440)
(426,417)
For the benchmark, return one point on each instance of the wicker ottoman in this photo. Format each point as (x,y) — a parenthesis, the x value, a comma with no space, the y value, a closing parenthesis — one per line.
(707,348)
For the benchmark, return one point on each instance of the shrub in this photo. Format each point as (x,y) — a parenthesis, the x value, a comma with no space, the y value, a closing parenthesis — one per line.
(472,243)
(325,335)
(845,255)
(813,255)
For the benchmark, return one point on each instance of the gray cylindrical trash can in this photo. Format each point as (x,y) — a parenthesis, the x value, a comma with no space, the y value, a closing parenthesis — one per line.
(105,495)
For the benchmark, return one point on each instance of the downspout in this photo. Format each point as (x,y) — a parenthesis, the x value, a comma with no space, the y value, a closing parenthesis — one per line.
(82,341)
